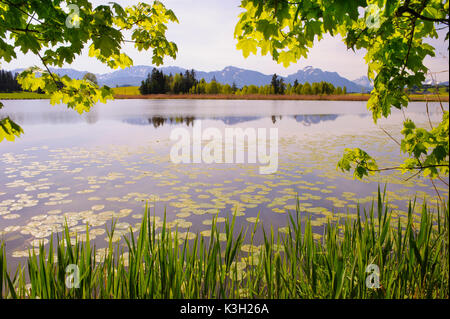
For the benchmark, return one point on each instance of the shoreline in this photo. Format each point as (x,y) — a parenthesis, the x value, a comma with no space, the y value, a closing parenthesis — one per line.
(256,97)
(348,97)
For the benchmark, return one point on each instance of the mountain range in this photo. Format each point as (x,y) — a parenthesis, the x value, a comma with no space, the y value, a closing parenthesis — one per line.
(133,76)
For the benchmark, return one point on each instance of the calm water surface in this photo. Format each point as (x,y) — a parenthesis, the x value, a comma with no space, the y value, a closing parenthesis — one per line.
(108,163)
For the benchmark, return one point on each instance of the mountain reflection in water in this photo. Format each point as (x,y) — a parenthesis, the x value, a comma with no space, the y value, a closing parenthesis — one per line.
(159,121)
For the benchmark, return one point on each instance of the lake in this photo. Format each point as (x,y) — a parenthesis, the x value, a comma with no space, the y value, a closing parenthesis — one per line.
(111,162)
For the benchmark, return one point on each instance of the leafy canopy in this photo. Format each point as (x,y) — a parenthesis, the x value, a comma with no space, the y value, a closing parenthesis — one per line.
(392,32)
(58,30)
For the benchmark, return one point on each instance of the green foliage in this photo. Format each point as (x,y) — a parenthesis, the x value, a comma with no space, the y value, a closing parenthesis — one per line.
(79,95)
(213,87)
(306,89)
(46,29)
(428,150)
(392,32)
(365,165)
(8,129)
(158,262)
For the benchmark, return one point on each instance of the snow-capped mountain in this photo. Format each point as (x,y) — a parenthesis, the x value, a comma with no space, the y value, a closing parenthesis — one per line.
(311,75)
(134,75)
(364,82)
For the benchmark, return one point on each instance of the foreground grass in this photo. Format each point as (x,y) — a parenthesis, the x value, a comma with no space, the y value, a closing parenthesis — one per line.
(413,262)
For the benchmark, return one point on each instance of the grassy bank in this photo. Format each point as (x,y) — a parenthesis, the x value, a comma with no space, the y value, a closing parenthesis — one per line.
(346,97)
(127,90)
(23,96)
(160,263)
(133,93)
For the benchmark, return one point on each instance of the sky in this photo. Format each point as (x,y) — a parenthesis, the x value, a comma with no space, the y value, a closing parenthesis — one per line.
(205,42)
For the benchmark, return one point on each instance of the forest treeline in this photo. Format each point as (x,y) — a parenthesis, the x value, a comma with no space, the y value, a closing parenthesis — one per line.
(159,83)
(8,82)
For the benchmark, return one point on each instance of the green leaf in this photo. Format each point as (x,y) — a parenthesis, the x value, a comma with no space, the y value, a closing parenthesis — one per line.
(9,130)
(247,46)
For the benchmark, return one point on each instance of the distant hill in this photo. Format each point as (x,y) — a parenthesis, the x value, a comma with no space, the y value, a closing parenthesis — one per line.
(311,75)
(74,74)
(134,75)
(241,77)
(364,82)
(431,82)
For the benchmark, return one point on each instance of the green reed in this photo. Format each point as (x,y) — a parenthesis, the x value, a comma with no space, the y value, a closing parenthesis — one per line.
(413,261)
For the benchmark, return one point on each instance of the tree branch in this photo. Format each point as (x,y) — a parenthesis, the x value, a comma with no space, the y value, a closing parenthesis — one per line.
(22,30)
(408,168)
(9,3)
(417,15)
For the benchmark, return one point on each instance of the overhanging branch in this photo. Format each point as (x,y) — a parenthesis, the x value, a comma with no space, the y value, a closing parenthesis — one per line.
(406,9)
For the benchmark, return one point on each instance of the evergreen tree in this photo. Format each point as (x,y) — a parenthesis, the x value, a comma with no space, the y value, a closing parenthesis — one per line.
(234,88)
(156,83)
(8,82)
(275,83)
(281,86)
